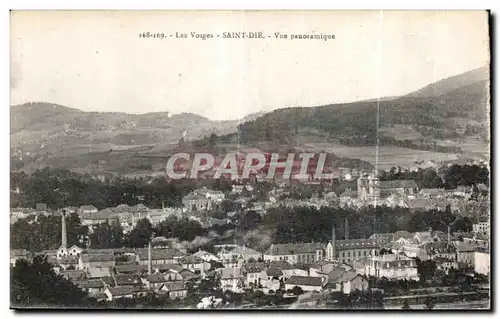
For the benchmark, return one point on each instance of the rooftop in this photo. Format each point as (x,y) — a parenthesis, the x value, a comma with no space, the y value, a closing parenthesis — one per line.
(229,273)
(397,184)
(159,254)
(356,243)
(305,281)
(390,257)
(291,249)
(97,257)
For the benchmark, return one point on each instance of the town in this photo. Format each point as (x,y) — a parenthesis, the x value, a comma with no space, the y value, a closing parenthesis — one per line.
(395,239)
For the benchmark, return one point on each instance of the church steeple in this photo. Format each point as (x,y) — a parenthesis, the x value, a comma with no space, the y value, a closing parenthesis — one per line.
(334,253)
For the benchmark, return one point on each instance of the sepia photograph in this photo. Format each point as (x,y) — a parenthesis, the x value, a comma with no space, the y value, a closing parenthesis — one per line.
(250,160)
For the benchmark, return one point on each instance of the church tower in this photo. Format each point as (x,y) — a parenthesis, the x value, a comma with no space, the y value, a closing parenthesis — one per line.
(334,252)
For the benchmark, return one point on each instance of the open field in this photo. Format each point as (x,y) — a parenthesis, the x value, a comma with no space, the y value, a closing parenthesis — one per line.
(389,156)
(472,146)
(401,132)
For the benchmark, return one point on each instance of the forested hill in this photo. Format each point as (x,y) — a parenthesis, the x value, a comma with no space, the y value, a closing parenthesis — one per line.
(439,110)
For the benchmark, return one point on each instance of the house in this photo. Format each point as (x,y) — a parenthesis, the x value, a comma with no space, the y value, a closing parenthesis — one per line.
(440,249)
(175,290)
(347,281)
(67,262)
(253,273)
(383,239)
(482,261)
(446,265)
(418,204)
(154,282)
(210,194)
(131,269)
(114,293)
(86,209)
(100,296)
(98,272)
(205,256)
(295,253)
(246,253)
(158,256)
(127,280)
(74,275)
(433,192)
(75,251)
(172,275)
(188,275)
(322,268)
(400,187)
(41,207)
(306,283)
(288,269)
(72,251)
(195,264)
(158,216)
(349,250)
(164,268)
(196,203)
(231,278)
(92,286)
(93,219)
(227,258)
(88,261)
(423,237)
(482,228)
(17,254)
(465,253)
(478,240)
(392,266)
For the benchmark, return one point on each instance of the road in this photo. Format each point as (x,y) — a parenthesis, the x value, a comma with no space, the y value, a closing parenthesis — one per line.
(480,304)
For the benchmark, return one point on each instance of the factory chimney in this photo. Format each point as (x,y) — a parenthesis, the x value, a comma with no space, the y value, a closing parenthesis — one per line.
(149,259)
(64,239)
(449,235)
(346,228)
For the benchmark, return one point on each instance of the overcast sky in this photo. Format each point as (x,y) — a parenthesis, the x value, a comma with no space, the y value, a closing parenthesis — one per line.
(95,61)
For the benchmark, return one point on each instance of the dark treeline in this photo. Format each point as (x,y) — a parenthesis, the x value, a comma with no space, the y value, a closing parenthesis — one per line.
(389,141)
(298,224)
(466,175)
(44,233)
(308,224)
(59,188)
(35,284)
(453,176)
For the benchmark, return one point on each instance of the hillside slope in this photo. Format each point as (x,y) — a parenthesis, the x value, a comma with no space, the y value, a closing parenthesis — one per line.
(439,111)
(449,116)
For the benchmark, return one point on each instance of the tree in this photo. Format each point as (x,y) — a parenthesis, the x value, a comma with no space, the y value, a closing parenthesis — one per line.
(406,306)
(44,232)
(35,284)
(296,290)
(384,251)
(212,142)
(430,303)
(107,235)
(76,232)
(251,219)
(227,206)
(140,235)
(426,269)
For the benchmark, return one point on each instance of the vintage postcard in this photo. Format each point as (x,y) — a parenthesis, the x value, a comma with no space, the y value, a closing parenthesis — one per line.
(334,160)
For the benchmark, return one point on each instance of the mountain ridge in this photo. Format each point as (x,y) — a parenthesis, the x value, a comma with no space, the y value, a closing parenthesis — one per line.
(449,109)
